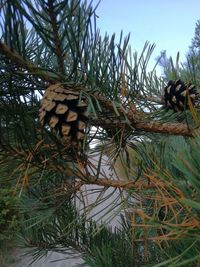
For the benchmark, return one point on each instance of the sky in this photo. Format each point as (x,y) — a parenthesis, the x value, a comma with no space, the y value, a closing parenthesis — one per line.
(170,24)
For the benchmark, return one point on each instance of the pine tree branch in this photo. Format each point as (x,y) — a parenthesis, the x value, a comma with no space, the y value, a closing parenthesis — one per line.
(154,127)
(27,65)
(91,180)
(133,116)
(137,121)
(107,182)
(154,99)
(74,187)
(83,177)
(88,179)
(58,46)
(164,128)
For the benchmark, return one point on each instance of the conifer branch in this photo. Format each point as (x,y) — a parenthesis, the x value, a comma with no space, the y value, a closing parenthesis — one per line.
(58,46)
(88,179)
(136,118)
(74,187)
(117,184)
(27,65)
(164,128)
(137,121)
(154,99)
(154,127)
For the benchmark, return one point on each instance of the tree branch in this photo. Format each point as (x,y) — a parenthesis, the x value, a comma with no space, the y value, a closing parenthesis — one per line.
(137,121)
(117,184)
(58,46)
(133,116)
(35,70)
(154,99)
(74,187)
(82,176)
(164,128)
(154,127)
(88,179)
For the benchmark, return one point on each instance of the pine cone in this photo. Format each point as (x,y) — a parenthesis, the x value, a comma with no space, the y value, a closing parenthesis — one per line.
(176,95)
(64,110)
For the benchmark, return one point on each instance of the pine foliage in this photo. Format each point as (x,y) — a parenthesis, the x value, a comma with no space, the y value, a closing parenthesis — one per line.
(75,105)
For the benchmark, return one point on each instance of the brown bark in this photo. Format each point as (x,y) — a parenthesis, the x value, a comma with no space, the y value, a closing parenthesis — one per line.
(164,128)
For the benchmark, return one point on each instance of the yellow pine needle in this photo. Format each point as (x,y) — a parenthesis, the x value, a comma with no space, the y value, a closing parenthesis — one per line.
(124,88)
(193,111)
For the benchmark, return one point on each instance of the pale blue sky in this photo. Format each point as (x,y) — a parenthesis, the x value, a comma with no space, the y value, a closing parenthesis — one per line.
(169,24)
